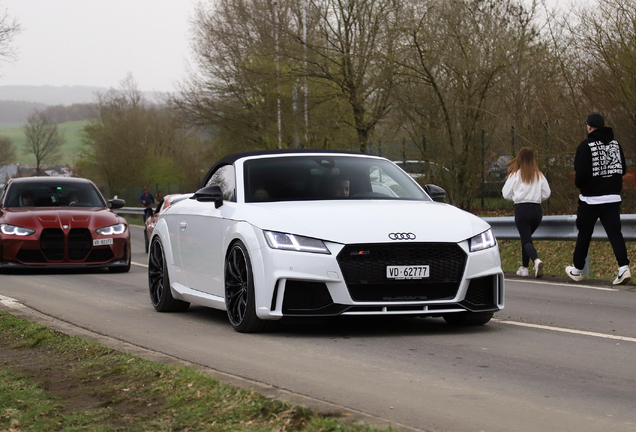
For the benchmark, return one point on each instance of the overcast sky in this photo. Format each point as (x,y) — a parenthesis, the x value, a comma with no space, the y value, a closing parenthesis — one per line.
(97,42)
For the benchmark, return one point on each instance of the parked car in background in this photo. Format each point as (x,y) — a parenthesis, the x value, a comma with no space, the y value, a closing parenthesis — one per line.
(278,235)
(61,222)
(167,201)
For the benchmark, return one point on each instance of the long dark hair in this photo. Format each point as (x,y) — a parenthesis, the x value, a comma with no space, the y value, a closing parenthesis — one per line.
(527,166)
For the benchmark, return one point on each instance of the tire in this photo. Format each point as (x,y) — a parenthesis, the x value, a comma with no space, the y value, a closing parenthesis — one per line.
(146,243)
(468,318)
(158,282)
(239,291)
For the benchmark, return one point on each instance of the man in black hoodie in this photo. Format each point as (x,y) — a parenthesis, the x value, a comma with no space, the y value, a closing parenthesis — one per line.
(599,166)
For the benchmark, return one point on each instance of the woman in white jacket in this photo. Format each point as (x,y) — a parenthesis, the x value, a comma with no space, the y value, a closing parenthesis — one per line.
(526,186)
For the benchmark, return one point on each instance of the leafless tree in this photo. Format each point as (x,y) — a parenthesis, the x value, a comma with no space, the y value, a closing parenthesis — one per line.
(350,52)
(255,67)
(43,139)
(232,89)
(7,151)
(460,51)
(132,142)
(9,27)
(605,38)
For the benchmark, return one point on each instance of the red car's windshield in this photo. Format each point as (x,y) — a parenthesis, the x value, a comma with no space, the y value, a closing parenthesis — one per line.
(57,193)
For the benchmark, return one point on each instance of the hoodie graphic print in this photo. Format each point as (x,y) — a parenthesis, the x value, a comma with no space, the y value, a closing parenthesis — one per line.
(606,158)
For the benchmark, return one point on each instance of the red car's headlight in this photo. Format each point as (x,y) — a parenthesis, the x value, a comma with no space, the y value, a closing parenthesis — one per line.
(112,229)
(16,230)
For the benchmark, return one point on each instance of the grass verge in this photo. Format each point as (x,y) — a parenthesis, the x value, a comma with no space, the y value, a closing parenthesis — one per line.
(50,381)
(556,255)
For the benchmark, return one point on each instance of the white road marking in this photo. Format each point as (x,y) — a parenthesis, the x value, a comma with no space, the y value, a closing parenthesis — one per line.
(566,330)
(139,264)
(562,284)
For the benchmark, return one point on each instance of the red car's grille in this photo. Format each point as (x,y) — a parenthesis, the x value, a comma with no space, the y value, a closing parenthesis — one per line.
(79,244)
(57,247)
(52,244)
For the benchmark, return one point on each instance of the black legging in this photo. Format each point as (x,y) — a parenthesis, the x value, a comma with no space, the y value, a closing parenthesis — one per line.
(527,219)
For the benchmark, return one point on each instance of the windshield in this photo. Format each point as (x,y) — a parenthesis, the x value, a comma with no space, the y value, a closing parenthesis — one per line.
(53,194)
(297,178)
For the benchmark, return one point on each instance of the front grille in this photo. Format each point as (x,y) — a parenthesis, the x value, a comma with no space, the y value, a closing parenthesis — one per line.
(481,291)
(79,244)
(52,244)
(305,297)
(56,246)
(363,267)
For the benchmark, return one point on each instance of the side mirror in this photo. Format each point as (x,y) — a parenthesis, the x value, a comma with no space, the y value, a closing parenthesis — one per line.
(116,203)
(435,192)
(209,194)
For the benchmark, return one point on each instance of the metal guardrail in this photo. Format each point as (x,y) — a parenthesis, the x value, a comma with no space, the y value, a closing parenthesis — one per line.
(130,210)
(559,228)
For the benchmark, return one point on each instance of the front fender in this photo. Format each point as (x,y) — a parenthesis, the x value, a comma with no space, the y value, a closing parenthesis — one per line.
(253,239)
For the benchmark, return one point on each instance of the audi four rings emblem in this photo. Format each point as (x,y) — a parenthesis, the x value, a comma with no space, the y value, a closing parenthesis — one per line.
(402,236)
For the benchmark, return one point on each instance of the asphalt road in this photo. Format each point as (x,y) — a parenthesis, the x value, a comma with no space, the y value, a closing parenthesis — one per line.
(559,357)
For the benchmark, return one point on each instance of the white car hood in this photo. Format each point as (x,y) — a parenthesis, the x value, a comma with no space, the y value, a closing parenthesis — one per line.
(365,221)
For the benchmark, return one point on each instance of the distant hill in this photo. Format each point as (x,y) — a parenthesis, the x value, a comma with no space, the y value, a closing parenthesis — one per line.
(50,95)
(17,112)
(64,95)
(17,102)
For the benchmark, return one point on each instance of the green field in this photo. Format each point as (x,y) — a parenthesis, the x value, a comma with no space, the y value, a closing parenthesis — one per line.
(70,149)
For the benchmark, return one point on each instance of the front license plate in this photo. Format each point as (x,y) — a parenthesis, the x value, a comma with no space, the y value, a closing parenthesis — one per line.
(407,272)
(102,242)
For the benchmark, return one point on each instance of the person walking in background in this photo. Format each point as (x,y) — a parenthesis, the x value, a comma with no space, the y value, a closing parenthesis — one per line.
(147,201)
(159,201)
(526,186)
(599,165)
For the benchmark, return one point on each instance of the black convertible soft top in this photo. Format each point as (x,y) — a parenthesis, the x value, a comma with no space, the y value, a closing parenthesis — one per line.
(233,157)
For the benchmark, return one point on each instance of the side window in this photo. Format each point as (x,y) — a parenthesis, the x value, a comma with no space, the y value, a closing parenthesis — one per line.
(225,178)
(383,183)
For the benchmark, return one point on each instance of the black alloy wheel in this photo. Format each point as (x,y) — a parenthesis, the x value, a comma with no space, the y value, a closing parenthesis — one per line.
(158,282)
(239,291)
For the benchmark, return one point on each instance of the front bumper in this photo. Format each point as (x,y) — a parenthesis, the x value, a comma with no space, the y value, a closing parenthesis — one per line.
(62,249)
(311,285)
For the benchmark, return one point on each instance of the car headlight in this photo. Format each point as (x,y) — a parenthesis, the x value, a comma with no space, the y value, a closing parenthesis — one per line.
(16,230)
(112,230)
(483,241)
(292,242)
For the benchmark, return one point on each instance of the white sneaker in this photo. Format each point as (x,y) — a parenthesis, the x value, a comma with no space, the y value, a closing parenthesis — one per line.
(574,273)
(624,275)
(538,268)
(523,271)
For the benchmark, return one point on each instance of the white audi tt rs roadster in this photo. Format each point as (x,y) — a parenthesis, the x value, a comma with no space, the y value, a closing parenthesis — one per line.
(275,235)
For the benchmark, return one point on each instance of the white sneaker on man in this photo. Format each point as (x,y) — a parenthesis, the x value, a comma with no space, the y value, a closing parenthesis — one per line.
(523,271)
(538,268)
(624,275)
(574,273)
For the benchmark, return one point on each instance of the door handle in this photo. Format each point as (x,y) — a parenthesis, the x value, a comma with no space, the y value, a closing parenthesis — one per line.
(183,225)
